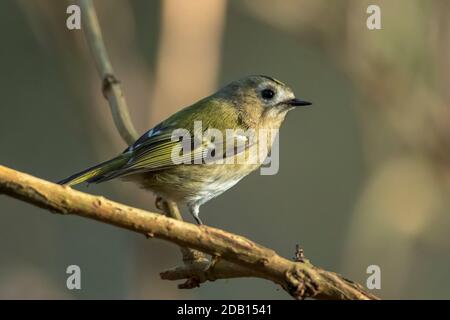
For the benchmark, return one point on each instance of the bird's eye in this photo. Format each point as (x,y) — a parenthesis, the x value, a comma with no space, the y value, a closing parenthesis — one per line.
(267,94)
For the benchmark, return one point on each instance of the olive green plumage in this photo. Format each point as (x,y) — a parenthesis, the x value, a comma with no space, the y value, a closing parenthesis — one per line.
(255,102)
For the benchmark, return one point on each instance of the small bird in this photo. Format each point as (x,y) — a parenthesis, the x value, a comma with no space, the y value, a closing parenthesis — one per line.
(252,104)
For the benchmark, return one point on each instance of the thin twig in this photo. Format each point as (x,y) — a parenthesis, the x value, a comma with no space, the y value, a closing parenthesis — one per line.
(300,279)
(192,258)
(110,85)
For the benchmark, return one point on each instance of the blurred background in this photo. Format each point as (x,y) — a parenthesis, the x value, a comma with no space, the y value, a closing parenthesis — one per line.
(364,175)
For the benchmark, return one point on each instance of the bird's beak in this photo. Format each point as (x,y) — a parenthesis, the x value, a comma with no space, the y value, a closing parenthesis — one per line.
(297,103)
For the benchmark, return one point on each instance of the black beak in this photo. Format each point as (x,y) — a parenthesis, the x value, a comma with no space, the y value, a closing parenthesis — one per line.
(297,103)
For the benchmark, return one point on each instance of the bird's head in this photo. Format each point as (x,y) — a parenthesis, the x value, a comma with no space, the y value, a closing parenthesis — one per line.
(261,100)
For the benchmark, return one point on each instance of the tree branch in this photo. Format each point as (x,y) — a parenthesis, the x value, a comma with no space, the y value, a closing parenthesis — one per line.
(244,257)
(111,88)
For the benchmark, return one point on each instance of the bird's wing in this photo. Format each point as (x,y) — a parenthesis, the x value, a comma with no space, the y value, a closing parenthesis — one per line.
(153,151)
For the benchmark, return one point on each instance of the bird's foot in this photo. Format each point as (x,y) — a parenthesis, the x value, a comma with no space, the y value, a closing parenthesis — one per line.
(159,203)
(198,220)
(194,210)
(214,260)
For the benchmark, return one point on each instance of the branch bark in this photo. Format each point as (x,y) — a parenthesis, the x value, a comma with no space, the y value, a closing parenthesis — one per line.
(243,257)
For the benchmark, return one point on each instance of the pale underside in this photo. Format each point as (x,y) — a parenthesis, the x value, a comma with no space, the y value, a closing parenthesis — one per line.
(195,184)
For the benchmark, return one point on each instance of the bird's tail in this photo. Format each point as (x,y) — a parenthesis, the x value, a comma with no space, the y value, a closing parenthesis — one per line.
(97,172)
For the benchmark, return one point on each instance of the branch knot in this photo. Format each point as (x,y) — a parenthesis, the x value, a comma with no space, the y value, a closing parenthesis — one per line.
(108,81)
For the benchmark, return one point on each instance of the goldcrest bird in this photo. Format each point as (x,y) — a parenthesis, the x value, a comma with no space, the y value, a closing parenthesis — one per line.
(255,102)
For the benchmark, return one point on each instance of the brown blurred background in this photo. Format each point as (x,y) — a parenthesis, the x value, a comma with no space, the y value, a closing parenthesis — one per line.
(364,175)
